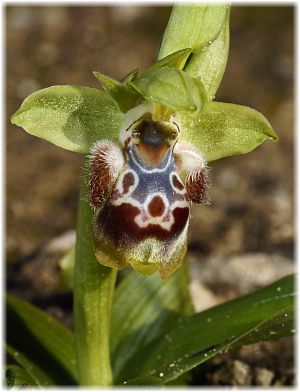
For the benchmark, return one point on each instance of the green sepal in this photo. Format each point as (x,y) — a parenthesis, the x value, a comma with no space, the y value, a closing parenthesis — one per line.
(126,97)
(226,129)
(173,89)
(174,60)
(71,117)
(193,26)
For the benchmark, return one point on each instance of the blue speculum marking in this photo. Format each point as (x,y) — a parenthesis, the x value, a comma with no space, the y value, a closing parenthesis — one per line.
(153,180)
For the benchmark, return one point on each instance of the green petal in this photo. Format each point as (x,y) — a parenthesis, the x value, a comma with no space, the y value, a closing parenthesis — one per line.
(174,60)
(194,26)
(132,75)
(126,97)
(225,129)
(172,88)
(72,117)
(209,64)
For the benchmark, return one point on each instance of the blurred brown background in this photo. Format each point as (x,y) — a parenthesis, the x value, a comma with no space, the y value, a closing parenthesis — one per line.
(243,241)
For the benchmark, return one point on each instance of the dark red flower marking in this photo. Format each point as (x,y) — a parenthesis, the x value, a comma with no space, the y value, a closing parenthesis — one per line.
(128,181)
(156,207)
(118,224)
(176,183)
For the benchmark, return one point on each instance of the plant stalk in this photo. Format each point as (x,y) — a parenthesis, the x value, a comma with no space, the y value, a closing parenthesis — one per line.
(93,293)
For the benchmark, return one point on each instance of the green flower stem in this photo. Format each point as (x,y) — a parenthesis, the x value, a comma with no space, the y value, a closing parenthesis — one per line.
(93,292)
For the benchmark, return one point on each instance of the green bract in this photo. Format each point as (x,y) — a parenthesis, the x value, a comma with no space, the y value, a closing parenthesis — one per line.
(209,47)
(209,64)
(193,26)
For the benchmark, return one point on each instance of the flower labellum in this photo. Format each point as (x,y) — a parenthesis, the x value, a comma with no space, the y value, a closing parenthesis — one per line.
(142,193)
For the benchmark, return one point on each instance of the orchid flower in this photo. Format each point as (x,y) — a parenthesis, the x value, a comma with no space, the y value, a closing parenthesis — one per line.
(150,138)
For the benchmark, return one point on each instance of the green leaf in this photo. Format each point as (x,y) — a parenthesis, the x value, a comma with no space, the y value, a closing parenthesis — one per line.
(144,308)
(281,324)
(16,376)
(38,375)
(184,379)
(172,88)
(265,314)
(174,60)
(194,26)
(71,117)
(209,64)
(66,264)
(225,129)
(43,340)
(144,381)
(126,97)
